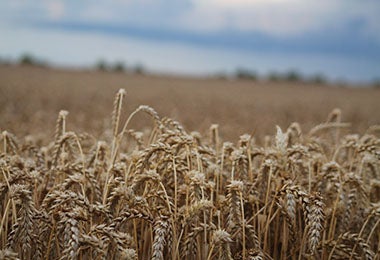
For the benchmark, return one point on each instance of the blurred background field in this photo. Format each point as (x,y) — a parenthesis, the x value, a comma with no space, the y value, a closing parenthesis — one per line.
(31,97)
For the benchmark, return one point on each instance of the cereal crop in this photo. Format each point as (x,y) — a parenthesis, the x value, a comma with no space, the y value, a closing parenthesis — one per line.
(163,192)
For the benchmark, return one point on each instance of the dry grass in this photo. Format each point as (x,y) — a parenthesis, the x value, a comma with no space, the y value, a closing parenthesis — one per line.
(165,193)
(31,98)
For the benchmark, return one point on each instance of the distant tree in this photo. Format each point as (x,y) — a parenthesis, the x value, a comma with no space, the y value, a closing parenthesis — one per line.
(101,65)
(30,60)
(274,76)
(376,83)
(318,79)
(27,59)
(292,76)
(245,74)
(139,69)
(118,67)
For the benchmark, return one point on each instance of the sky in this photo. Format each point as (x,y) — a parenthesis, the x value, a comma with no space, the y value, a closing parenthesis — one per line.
(337,38)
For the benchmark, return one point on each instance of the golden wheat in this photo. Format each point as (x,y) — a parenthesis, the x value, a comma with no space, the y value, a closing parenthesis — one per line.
(169,194)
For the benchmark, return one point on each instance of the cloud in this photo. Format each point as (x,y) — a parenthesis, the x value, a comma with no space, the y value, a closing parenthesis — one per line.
(16,11)
(55,9)
(147,13)
(282,17)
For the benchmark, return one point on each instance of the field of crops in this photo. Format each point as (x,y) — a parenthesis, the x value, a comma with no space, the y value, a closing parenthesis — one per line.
(31,98)
(186,168)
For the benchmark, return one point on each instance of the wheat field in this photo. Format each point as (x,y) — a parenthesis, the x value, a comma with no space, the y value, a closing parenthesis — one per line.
(160,191)
(31,98)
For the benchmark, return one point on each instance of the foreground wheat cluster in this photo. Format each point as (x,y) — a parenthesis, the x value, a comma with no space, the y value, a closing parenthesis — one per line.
(169,194)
